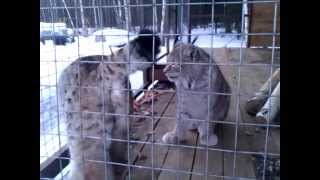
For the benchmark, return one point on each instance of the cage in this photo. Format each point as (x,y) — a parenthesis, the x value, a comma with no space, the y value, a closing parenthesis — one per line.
(242,38)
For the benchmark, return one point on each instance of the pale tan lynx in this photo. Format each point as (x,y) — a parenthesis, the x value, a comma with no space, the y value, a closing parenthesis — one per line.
(90,87)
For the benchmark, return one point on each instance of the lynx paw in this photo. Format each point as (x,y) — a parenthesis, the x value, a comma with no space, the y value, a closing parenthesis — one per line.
(170,138)
(212,140)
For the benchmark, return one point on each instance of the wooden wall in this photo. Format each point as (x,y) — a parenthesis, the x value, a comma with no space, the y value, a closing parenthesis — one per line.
(261,21)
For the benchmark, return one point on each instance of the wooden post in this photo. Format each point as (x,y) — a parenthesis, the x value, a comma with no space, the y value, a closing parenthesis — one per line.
(95,14)
(65,6)
(255,103)
(176,22)
(271,107)
(168,28)
(117,14)
(84,27)
(188,18)
(141,15)
(163,21)
(127,14)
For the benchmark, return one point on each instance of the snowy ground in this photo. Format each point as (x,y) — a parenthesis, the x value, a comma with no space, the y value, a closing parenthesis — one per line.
(53,59)
(215,41)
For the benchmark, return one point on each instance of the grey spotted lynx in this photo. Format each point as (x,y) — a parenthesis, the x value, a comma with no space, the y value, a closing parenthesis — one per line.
(90,87)
(195,77)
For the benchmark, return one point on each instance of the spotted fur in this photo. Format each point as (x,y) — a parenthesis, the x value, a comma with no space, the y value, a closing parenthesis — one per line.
(95,97)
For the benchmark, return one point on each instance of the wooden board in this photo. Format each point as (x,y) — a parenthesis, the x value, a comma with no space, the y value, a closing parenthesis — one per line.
(140,155)
(180,158)
(142,128)
(262,21)
(231,56)
(214,163)
(177,158)
(163,125)
(243,166)
(274,141)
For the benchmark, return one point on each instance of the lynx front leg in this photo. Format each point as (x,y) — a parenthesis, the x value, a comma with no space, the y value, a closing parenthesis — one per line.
(88,161)
(77,170)
(175,136)
(205,131)
(179,132)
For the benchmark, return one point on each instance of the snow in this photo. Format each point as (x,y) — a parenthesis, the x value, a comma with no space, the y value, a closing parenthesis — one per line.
(113,32)
(52,26)
(115,36)
(215,41)
(206,40)
(53,59)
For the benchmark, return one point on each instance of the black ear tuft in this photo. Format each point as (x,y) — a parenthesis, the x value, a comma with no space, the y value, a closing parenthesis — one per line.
(145,42)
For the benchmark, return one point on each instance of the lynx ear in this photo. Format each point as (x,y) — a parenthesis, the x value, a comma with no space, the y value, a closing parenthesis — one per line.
(194,40)
(111,50)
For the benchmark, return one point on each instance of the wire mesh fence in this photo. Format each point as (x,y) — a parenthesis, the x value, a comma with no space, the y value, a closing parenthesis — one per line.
(80,141)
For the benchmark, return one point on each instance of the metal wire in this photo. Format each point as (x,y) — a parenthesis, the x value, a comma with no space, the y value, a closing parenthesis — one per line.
(238,98)
(128,85)
(106,156)
(154,118)
(179,90)
(269,92)
(56,78)
(209,89)
(168,4)
(154,11)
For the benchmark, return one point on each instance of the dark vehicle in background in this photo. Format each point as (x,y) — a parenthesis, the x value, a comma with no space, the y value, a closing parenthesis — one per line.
(58,38)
